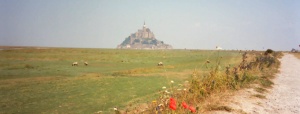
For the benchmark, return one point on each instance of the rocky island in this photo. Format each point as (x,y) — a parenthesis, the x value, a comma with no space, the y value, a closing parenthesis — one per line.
(143,39)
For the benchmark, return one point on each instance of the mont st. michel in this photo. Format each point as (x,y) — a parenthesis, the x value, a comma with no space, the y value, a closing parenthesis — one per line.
(143,39)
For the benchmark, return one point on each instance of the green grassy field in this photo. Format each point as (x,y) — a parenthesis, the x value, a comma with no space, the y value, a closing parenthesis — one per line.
(43,80)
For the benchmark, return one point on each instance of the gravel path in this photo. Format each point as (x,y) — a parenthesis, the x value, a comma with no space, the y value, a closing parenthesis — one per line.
(283,98)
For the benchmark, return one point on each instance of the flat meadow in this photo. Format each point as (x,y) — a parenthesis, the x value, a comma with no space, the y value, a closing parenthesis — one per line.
(43,80)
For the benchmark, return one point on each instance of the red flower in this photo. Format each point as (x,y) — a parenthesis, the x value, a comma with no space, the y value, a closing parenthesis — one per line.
(185,105)
(172,104)
(193,109)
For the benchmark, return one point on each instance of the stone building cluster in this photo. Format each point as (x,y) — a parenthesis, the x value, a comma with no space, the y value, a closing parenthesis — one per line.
(143,33)
(143,39)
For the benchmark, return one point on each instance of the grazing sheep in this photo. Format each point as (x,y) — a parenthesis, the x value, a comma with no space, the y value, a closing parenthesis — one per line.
(207,61)
(160,64)
(85,63)
(75,64)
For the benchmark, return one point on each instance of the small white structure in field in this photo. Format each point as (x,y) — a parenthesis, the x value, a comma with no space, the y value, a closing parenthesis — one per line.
(218,48)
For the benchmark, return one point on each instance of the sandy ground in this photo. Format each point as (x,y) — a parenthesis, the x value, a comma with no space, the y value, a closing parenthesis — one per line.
(283,98)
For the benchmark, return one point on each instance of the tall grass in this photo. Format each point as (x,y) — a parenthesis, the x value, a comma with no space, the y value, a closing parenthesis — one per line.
(254,67)
(297,55)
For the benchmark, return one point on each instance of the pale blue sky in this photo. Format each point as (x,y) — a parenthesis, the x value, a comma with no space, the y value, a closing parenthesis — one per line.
(191,24)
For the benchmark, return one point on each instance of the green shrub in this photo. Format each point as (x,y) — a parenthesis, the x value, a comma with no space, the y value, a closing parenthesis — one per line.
(269,51)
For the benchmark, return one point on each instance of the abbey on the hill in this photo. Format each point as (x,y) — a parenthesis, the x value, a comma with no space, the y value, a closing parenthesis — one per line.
(143,39)
(143,33)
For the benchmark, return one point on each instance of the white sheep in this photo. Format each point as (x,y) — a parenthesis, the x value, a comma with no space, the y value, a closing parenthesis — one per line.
(86,63)
(75,64)
(160,64)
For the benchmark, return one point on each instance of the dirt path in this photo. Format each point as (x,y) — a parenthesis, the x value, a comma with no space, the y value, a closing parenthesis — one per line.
(285,95)
(283,98)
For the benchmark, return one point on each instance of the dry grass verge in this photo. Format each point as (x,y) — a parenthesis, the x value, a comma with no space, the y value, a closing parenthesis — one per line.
(296,55)
(202,87)
(259,96)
